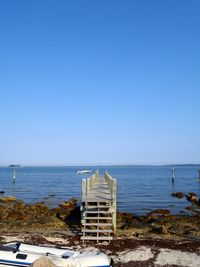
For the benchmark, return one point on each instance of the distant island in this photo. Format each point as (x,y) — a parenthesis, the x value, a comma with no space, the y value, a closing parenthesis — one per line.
(183,165)
(14,165)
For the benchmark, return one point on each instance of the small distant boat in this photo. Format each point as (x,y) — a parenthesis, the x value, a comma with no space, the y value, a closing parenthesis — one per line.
(23,255)
(84,171)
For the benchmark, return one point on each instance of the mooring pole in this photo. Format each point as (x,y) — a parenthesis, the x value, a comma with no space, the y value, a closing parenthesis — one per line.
(14,176)
(173,175)
(199,173)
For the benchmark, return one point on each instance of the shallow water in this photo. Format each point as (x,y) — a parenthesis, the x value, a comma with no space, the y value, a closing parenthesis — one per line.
(139,188)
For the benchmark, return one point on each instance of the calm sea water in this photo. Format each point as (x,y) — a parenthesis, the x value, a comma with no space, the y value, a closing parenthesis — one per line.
(140,189)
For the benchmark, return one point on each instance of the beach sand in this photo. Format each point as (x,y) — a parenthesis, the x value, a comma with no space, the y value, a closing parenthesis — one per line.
(155,239)
(125,251)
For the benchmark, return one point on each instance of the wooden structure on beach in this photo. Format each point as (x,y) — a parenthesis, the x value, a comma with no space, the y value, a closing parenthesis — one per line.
(98,208)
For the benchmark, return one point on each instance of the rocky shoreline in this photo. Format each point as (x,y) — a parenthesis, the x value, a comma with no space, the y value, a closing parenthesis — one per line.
(154,232)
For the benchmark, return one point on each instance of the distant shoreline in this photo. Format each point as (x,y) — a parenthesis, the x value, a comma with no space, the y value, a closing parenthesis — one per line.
(107,165)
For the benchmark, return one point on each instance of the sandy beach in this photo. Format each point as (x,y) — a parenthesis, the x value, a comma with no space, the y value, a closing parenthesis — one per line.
(124,250)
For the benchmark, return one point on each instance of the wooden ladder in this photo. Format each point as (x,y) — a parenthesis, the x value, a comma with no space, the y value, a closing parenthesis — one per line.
(97,221)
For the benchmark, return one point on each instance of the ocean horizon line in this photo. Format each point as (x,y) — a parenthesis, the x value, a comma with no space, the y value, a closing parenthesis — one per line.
(101,165)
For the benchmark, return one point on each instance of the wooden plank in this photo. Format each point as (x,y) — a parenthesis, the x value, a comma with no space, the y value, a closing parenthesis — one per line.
(97,211)
(96,238)
(97,224)
(99,194)
(97,218)
(96,231)
(97,206)
(97,199)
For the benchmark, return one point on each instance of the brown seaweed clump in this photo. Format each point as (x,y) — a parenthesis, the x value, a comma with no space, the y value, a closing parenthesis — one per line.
(20,216)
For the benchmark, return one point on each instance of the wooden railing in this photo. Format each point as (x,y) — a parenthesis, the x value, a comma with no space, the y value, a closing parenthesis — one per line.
(87,184)
(112,184)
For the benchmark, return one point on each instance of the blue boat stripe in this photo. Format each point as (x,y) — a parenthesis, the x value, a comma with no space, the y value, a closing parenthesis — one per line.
(15,262)
(10,264)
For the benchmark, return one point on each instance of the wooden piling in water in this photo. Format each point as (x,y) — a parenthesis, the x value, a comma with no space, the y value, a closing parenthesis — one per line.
(14,176)
(173,175)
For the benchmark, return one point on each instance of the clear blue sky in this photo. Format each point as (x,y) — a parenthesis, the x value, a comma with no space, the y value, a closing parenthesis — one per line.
(99,82)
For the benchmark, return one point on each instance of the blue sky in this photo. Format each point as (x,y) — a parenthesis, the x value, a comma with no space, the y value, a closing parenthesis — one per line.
(99,82)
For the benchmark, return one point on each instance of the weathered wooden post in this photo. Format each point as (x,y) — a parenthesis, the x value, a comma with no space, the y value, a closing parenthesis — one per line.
(14,176)
(173,175)
(84,193)
(96,175)
(92,180)
(88,186)
(84,189)
(109,181)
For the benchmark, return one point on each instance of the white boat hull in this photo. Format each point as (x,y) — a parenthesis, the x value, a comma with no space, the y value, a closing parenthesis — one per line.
(84,171)
(23,255)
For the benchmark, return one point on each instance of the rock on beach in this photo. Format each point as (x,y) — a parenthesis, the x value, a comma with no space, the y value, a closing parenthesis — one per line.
(177,194)
(168,257)
(43,262)
(192,197)
(8,199)
(159,229)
